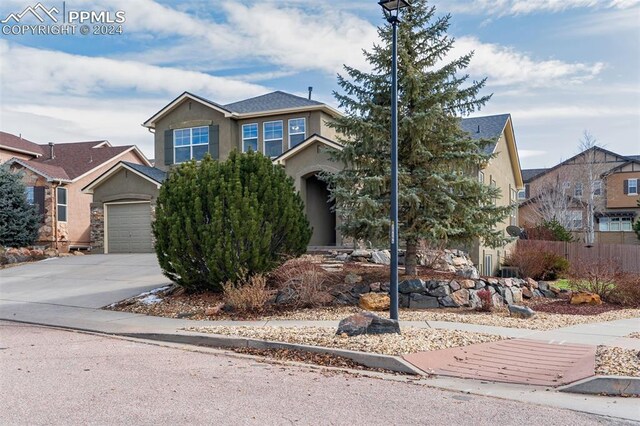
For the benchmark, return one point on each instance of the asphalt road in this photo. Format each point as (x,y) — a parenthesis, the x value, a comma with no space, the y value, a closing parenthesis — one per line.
(50,376)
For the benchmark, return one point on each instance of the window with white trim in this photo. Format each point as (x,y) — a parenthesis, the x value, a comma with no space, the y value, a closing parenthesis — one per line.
(522,195)
(61,200)
(597,187)
(513,195)
(190,144)
(633,187)
(575,219)
(577,191)
(29,191)
(250,137)
(481,176)
(273,133)
(612,224)
(488,264)
(297,131)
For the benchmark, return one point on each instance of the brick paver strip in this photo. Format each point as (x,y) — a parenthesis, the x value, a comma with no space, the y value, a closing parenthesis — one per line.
(520,361)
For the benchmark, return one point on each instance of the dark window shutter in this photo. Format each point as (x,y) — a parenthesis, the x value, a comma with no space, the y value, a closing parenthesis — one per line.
(214,142)
(526,191)
(168,147)
(38,200)
(626,186)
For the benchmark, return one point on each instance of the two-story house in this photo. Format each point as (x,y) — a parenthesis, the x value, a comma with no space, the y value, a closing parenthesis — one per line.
(606,180)
(54,175)
(292,130)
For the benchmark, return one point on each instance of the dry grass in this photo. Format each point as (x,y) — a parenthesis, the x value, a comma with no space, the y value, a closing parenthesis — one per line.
(247,295)
(306,280)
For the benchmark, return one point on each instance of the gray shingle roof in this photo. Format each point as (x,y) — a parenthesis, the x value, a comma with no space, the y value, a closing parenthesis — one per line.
(269,102)
(530,174)
(150,172)
(633,157)
(488,127)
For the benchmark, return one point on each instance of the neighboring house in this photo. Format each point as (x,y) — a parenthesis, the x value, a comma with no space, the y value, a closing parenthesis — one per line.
(293,131)
(55,174)
(563,191)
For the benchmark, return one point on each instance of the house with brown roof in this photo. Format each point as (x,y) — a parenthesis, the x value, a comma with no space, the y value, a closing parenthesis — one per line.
(55,174)
(606,181)
(294,132)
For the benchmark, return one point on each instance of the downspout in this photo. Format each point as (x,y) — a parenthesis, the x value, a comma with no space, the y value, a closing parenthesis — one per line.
(54,213)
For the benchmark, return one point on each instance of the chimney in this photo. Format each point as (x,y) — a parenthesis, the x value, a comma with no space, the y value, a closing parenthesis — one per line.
(310,90)
(51,155)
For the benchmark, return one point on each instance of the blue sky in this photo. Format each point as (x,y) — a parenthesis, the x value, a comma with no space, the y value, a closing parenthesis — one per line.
(559,67)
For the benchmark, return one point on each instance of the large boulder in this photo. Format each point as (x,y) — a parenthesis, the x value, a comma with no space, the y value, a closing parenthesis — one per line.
(361,253)
(585,298)
(440,291)
(461,297)
(448,302)
(521,311)
(420,301)
(526,293)
(412,286)
(468,272)
(374,301)
(468,284)
(517,294)
(382,257)
(367,323)
(533,284)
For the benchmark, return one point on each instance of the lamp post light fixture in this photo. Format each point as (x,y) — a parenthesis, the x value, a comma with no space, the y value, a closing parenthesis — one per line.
(391,10)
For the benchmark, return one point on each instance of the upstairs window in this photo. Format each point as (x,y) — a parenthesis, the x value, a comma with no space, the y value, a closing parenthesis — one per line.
(297,131)
(190,144)
(597,187)
(481,176)
(575,219)
(522,195)
(273,138)
(577,191)
(29,191)
(632,187)
(250,137)
(61,195)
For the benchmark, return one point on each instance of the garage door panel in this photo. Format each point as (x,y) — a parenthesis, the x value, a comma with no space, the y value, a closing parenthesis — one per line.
(129,228)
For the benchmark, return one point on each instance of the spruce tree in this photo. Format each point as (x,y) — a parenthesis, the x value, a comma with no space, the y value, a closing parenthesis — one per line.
(440,197)
(226,221)
(19,220)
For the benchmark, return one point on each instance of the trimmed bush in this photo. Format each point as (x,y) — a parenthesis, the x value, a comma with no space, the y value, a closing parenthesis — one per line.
(536,263)
(218,222)
(19,220)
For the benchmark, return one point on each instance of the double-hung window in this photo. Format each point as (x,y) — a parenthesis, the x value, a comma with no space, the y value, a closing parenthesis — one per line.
(30,193)
(297,131)
(575,219)
(481,177)
(273,134)
(61,195)
(190,144)
(633,187)
(250,137)
(577,192)
(597,187)
(522,195)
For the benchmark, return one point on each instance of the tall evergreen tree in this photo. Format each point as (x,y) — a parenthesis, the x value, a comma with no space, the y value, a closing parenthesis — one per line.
(440,197)
(19,220)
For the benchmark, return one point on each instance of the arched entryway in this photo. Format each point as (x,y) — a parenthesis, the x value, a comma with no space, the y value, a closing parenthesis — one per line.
(320,211)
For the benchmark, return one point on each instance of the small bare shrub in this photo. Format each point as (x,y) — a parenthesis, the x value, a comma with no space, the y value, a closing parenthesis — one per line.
(595,277)
(536,263)
(306,280)
(486,300)
(431,253)
(248,294)
(627,291)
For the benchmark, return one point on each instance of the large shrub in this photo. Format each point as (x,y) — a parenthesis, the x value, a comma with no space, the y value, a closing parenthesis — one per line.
(536,263)
(19,220)
(218,222)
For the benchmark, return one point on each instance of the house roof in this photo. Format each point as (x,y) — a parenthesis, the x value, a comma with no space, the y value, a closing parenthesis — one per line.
(19,144)
(51,172)
(302,145)
(530,174)
(150,172)
(487,127)
(271,101)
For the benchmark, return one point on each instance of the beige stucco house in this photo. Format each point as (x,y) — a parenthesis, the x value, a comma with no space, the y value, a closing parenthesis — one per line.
(292,130)
(54,175)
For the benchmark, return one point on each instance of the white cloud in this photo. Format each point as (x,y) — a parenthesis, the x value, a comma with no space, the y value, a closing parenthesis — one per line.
(522,7)
(528,153)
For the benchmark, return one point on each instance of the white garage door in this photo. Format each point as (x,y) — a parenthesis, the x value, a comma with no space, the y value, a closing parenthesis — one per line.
(129,228)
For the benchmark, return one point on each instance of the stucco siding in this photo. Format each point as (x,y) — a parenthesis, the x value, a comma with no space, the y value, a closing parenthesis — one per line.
(125,185)
(6,155)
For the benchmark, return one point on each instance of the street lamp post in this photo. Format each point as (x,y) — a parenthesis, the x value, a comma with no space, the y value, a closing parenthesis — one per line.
(391,10)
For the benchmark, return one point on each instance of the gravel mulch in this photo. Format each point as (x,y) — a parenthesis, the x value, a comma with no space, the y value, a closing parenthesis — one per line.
(614,361)
(410,341)
(634,335)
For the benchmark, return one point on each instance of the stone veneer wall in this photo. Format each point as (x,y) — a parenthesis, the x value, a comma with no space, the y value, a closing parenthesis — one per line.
(97,228)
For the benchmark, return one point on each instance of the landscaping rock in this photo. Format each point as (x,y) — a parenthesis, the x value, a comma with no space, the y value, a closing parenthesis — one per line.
(375,287)
(361,253)
(585,298)
(521,311)
(346,299)
(367,323)
(440,291)
(342,257)
(382,257)
(474,299)
(286,296)
(412,286)
(548,293)
(543,285)
(516,292)
(468,272)
(498,301)
(532,283)
(404,300)
(454,285)
(480,285)
(352,278)
(420,301)
(51,252)
(360,288)
(461,297)
(448,302)
(384,287)
(214,310)
(508,296)
(374,301)
(537,293)
(555,290)
(526,293)
(468,284)
(78,253)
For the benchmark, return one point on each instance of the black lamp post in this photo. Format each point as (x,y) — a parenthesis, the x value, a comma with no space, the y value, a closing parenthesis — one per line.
(391,10)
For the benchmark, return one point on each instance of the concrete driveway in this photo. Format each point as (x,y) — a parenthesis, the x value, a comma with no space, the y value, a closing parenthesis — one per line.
(90,281)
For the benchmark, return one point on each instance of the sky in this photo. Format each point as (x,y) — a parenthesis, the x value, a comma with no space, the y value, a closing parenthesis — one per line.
(559,67)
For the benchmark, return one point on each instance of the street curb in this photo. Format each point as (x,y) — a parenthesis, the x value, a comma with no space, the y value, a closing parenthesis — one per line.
(386,362)
(605,385)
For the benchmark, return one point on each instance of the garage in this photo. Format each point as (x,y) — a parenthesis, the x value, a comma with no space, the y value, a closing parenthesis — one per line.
(128,227)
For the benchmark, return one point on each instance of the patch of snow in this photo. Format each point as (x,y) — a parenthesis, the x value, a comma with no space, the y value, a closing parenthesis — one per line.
(150,299)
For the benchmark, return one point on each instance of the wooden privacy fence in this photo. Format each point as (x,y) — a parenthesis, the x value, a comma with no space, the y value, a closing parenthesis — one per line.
(625,256)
